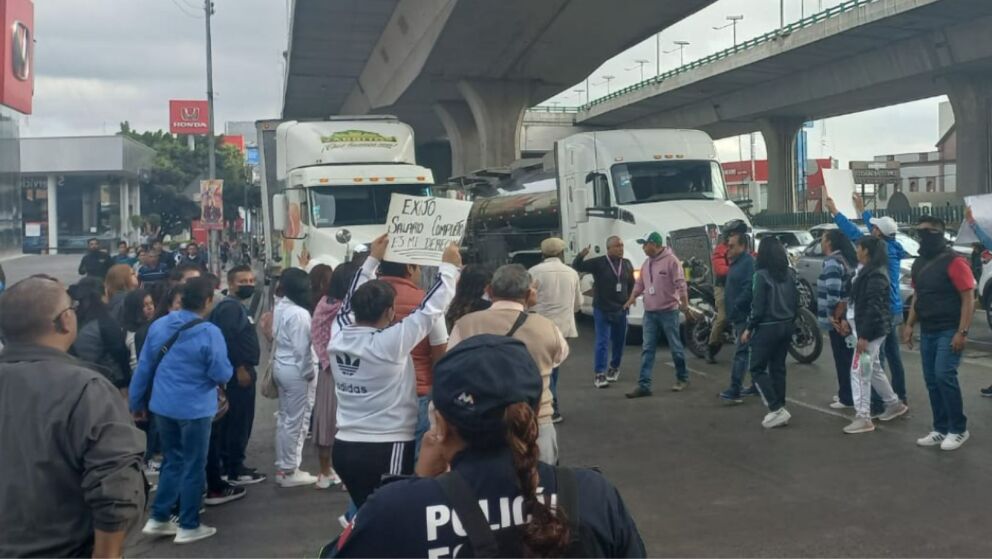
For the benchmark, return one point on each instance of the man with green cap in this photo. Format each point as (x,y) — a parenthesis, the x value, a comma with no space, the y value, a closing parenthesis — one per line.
(662,283)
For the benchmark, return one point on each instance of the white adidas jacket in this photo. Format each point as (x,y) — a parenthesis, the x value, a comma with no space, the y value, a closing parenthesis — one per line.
(374,379)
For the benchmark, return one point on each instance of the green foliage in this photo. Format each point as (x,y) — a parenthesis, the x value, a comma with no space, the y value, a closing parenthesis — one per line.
(175,177)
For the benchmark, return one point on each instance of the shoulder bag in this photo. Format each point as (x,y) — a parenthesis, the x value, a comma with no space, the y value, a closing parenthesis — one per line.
(222,404)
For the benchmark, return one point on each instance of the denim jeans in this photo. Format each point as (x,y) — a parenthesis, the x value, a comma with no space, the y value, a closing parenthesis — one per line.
(742,353)
(184,444)
(843,357)
(554,389)
(423,423)
(655,324)
(891,355)
(940,371)
(611,333)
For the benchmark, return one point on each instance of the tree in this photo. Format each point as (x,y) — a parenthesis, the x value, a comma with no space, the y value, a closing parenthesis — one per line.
(175,175)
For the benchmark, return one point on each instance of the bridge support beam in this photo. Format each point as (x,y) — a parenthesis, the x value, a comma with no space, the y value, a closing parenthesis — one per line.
(971,99)
(463,135)
(780,143)
(498,109)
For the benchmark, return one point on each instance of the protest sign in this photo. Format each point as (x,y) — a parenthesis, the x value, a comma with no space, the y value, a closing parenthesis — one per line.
(420,228)
(981,208)
(839,185)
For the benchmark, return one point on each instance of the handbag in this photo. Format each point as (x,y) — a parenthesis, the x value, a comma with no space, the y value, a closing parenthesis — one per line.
(267,383)
(222,403)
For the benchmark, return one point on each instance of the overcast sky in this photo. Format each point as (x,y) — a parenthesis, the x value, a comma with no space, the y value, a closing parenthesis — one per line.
(100,62)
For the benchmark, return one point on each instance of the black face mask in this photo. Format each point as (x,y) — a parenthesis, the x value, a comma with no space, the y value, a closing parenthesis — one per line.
(931,243)
(244,291)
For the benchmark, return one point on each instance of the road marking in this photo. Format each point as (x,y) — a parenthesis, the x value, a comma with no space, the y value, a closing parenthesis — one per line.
(799,403)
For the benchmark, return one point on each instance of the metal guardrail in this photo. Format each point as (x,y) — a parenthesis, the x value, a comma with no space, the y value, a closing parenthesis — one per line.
(952,215)
(547,109)
(835,11)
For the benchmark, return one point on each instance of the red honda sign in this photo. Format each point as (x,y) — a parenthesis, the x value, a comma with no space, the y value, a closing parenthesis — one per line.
(17,54)
(188,117)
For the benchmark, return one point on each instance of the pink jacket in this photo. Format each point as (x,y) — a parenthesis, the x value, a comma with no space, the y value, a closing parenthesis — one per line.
(663,273)
(320,328)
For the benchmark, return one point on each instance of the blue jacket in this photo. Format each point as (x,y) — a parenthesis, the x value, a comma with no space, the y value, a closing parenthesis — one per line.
(894,249)
(983,237)
(737,291)
(185,385)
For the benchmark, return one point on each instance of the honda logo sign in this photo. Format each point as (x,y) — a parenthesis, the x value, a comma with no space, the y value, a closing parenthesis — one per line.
(20,51)
(188,117)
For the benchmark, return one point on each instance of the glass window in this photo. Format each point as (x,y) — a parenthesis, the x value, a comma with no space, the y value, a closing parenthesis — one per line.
(659,181)
(357,205)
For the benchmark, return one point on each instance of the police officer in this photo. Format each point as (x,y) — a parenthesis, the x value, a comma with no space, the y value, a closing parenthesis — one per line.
(484,428)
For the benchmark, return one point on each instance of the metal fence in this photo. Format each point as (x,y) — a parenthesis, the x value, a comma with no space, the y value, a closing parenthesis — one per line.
(952,215)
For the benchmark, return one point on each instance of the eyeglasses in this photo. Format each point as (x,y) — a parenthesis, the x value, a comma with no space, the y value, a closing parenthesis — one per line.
(72,307)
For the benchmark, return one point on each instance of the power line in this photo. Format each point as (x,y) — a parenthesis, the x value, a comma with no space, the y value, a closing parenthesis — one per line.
(183,10)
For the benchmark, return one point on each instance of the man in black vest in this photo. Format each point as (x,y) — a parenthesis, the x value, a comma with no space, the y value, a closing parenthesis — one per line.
(943,304)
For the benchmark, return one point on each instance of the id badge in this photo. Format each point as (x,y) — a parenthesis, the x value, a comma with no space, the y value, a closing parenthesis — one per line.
(651,290)
(619,287)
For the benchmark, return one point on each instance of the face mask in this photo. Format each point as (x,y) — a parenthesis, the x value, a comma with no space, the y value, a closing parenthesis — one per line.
(931,242)
(244,291)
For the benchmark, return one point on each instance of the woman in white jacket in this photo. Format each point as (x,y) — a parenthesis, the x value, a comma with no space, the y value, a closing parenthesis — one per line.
(295,376)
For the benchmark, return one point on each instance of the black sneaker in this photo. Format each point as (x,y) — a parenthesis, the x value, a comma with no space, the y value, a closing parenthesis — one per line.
(247,476)
(612,374)
(557,418)
(987,392)
(710,355)
(639,392)
(226,495)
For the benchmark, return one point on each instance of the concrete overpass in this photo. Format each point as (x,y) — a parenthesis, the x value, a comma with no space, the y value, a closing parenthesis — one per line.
(862,55)
(464,69)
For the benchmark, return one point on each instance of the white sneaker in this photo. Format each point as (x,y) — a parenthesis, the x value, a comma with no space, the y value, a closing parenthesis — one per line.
(776,419)
(893,411)
(953,441)
(860,425)
(201,532)
(933,439)
(295,479)
(157,528)
(325,482)
(600,381)
(837,405)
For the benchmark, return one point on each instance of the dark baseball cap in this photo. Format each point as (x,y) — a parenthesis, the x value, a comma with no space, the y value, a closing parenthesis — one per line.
(480,377)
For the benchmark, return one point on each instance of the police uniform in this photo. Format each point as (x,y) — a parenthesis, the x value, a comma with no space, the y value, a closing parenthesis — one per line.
(416,517)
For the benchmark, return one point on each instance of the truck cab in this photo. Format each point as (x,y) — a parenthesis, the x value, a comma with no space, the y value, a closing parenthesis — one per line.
(339,176)
(631,182)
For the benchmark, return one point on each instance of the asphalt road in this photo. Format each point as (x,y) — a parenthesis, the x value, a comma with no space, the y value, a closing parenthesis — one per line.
(700,478)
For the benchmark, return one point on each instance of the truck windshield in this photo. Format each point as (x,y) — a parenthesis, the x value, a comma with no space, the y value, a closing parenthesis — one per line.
(357,205)
(657,181)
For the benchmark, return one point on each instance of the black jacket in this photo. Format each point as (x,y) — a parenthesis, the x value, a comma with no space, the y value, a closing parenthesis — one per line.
(870,297)
(101,342)
(605,295)
(239,332)
(95,263)
(774,301)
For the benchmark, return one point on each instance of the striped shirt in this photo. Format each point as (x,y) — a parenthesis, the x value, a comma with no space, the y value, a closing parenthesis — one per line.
(830,287)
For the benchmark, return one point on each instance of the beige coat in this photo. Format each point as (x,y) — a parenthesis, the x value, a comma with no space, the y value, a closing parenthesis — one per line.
(559,296)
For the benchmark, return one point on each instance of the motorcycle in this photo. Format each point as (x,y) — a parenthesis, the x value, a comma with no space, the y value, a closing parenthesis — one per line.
(807,340)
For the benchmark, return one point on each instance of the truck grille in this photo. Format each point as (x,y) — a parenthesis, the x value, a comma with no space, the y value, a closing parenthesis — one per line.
(693,242)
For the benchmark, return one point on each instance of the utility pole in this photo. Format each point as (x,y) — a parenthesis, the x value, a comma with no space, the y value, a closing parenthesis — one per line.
(214,250)
(657,53)
(781,14)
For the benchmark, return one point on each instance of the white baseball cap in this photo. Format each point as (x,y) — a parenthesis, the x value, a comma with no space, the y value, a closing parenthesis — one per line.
(886,225)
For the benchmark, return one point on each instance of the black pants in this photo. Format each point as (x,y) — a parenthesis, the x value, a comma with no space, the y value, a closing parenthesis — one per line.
(239,421)
(214,482)
(362,466)
(843,357)
(769,346)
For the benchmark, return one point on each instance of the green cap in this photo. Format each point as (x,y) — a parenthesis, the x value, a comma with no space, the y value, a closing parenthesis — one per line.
(653,237)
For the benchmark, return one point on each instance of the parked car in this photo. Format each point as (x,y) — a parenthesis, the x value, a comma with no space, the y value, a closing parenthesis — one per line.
(794,241)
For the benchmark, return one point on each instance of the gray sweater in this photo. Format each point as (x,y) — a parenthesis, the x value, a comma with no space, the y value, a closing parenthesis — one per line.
(71,459)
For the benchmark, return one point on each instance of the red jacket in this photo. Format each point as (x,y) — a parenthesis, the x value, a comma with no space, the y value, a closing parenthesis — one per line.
(408,298)
(720,263)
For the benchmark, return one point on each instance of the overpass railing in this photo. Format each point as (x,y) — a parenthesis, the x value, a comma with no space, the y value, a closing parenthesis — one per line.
(842,8)
(952,215)
(548,109)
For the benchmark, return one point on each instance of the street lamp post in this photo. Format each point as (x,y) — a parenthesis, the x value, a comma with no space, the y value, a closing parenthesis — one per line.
(681,48)
(578,93)
(733,23)
(640,64)
(608,79)
(657,53)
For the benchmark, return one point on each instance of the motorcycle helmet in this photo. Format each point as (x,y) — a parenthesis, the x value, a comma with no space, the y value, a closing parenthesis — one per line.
(733,226)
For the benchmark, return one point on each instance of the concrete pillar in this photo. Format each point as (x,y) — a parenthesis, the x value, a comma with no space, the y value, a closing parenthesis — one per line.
(463,135)
(53,215)
(780,143)
(498,108)
(971,99)
(124,202)
(136,201)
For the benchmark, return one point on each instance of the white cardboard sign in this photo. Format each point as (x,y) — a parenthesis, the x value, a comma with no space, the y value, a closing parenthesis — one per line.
(981,208)
(839,185)
(420,228)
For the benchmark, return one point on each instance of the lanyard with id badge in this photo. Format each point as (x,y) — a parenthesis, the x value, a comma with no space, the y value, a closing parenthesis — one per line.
(618,271)
(650,277)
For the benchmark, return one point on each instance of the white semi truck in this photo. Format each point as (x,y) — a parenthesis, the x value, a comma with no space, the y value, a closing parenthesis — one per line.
(332,183)
(598,184)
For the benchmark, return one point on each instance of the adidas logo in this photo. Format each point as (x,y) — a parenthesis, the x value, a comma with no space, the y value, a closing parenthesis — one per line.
(465,399)
(347,364)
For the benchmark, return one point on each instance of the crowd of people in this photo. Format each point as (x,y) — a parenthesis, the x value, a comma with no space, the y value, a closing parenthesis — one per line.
(449,390)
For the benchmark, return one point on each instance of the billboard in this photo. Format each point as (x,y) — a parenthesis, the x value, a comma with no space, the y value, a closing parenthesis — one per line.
(235,140)
(17,54)
(188,117)
(212,204)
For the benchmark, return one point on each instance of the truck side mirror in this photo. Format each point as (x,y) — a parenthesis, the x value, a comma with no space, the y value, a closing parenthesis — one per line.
(591,176)
(279,212)
(581,197)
